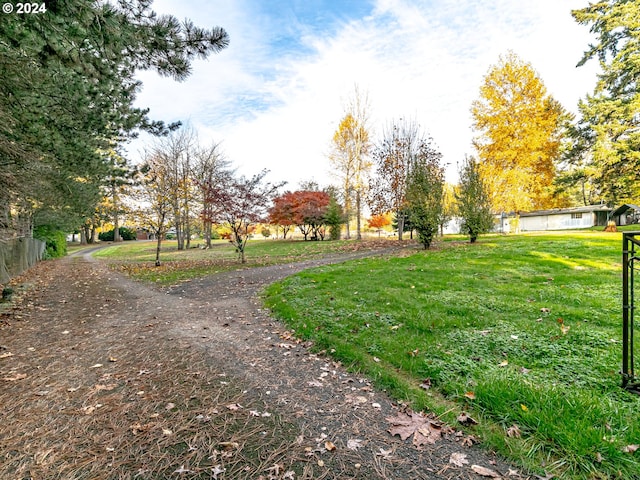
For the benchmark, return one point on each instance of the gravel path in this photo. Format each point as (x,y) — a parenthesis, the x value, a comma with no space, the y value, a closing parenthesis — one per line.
(85,312)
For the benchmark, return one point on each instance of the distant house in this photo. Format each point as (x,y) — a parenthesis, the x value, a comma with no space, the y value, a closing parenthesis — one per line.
(555,219)
(626,214)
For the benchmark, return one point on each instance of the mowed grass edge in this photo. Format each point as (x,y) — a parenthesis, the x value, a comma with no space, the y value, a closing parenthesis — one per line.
(137,258)
(522,331)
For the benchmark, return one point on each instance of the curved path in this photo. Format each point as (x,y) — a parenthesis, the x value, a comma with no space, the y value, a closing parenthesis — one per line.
(83,312)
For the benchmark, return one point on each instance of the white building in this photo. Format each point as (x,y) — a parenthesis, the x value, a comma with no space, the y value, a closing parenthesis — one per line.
(556,219)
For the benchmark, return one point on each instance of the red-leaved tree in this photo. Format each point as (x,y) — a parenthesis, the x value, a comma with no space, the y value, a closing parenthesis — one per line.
(306,209)
(281,213)
(240,203)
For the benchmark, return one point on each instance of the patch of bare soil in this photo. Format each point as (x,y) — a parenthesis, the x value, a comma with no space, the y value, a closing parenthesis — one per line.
(104,378)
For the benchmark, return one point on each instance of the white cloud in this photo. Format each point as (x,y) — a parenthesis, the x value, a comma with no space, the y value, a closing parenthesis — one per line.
(419,59)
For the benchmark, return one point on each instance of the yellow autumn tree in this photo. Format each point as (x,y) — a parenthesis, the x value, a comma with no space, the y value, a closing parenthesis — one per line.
(349,156)
(517,125)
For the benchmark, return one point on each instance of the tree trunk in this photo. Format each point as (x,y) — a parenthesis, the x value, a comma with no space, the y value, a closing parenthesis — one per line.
(116,219)
(400,219)
(83,236)
(208,227)
(358,223)
(187,225)
(158,245)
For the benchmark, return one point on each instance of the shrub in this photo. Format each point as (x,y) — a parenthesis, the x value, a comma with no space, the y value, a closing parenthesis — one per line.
(266,232)
(56,240)
(125,234)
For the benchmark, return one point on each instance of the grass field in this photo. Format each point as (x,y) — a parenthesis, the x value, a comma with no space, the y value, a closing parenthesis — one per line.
(522,332)
(137,258)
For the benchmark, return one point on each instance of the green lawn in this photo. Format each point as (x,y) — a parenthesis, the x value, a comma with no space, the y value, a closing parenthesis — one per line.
(138,258)
(520,331)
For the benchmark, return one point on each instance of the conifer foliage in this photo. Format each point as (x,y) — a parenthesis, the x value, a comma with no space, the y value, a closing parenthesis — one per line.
(67,92)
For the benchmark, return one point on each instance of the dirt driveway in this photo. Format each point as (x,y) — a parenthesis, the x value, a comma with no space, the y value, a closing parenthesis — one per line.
(102,377)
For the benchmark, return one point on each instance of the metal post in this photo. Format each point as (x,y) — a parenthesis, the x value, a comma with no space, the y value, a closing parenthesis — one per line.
(629,256)
(625,310)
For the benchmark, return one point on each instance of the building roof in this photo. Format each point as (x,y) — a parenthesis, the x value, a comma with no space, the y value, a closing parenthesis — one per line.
(562,211)
(623,208)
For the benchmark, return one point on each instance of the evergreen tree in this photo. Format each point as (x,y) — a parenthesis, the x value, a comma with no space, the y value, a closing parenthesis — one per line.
(67,92)
(610,123)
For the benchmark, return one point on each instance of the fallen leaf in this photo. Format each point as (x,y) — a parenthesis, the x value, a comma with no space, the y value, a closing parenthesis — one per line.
(376,405)
(504,363)
(426,384)
(565,329)
(234,406)
(524,371)
(545,310)
(424,430)
(514,431)
(354,444)
(97,365)
(465,419)
(17,376)
(524,408)
(384,453)
(329,446)
(229,445)
(599,458)
(514,337)
(485,472)
(376,359)
(182,470)
(6,355)
(170,406)
(321,463)
(166,431)
(113,359)
(468,441)
(217,470)
(458,459)
(630,448)
(470,395)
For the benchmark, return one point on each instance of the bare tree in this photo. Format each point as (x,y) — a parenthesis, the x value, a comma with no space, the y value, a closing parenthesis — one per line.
(210,170)
(155,191)
(393,158)
(176,151)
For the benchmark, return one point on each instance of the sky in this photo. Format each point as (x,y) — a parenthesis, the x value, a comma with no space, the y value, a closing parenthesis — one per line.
(275,96)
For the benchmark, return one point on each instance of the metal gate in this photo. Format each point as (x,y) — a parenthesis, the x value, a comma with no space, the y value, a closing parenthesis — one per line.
(630,252)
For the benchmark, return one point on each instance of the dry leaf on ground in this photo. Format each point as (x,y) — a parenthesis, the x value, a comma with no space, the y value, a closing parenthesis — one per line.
(465,419)
(514,431)
(458,459)
(354,444)
(424,430)
(485,472)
